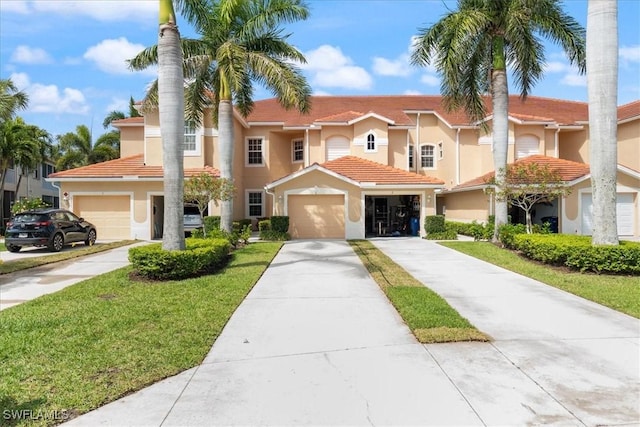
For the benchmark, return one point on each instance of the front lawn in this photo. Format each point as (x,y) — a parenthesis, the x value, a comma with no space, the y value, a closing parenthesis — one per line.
(621,293)
(96,341)
(429,316)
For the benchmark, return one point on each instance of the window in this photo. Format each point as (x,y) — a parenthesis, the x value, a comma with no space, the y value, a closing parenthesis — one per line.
(440,150)
(254,152)
(189,136)
(427,156)
(410,156)
(47,170)
(371,143)
(297,150)
(254,204)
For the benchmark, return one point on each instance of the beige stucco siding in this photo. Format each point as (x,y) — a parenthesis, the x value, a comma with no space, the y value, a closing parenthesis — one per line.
(113,222)
(574,145)
(131,141)
(465,206)
(629,144)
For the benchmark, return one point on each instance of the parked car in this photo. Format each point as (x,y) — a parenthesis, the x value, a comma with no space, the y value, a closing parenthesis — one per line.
(192,218)
(48,227)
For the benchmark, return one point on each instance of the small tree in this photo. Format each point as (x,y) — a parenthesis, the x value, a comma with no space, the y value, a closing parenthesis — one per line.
(527,184)
(27,204)
(203,189)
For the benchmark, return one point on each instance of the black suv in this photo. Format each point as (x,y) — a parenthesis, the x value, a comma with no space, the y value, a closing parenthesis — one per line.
(52,228)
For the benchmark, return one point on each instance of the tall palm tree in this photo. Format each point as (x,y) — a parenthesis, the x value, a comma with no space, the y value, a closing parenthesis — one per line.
(602,86)
(472,48)
(78,149)
(241,43)
(11,100)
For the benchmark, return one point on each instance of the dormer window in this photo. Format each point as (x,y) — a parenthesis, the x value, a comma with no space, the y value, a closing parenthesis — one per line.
(371,143)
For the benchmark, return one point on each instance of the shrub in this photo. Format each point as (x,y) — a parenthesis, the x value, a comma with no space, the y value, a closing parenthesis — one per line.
(264,225)
(245,234)
(280,224)
(211,223)
(243,223)
(201,256)
(507,232)
(274,235)
(449,234)
(434,224)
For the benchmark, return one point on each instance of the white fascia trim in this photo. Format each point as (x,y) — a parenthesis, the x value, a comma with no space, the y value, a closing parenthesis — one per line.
(303,127)
(628,119)
(625,170)
(435,113)
(374,186)
(629,171)
(127,125)
(370,115)
(305,171)
(113,179)
(401,127)
(461,190)
(266,124)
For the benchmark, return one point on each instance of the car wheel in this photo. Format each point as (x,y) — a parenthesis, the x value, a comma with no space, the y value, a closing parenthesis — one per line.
(56,243)
(91,238)
(13,248)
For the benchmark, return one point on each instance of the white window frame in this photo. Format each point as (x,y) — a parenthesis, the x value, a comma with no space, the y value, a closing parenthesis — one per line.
(294,150)
(371,145)
(197,136)
(247,142)
(433,156)
(248,205)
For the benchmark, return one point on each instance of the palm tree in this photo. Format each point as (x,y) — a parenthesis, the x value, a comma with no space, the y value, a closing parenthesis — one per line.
(11,100)
(602,86)
(241,43)
(77,148)
(472,47)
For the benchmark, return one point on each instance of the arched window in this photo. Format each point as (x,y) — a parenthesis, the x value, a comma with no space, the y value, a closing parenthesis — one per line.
(371,143)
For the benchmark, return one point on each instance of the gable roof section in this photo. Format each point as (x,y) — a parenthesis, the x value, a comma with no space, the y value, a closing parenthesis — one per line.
(395,109)
(132,167)
(128,121)
(568,171)
(364,173)
(629,111)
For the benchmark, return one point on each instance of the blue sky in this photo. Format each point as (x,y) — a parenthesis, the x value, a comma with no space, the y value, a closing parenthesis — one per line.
(69,56)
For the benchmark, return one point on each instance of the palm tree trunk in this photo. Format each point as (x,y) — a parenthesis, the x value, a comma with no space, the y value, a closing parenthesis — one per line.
(602,85)
(225,145)
(171,108)
(500,103)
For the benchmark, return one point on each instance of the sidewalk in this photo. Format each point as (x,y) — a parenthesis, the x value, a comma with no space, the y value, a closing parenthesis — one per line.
(317,343)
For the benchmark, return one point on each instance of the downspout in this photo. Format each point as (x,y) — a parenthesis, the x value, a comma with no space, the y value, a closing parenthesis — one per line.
(458,156)
(53,184)
(273,201)
(556,143)
(417,144)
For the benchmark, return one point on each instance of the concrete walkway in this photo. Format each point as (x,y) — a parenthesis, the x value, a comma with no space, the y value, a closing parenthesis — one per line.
(317,343)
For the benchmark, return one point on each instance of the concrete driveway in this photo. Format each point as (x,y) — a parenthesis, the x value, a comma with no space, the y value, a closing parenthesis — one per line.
(317,343)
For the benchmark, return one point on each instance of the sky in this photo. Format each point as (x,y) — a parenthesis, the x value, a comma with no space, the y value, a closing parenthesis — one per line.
(70,56)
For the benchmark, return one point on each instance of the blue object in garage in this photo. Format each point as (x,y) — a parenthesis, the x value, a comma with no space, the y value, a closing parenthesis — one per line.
(415,226)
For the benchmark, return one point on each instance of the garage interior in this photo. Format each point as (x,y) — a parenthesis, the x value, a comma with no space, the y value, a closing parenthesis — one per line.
(390,216)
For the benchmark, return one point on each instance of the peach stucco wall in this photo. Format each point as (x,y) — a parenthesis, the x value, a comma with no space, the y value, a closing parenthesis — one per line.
(465,206)
(629,144)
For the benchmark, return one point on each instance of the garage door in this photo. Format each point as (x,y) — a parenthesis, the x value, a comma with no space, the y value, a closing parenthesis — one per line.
(110,214)
(624,214)
(316,217)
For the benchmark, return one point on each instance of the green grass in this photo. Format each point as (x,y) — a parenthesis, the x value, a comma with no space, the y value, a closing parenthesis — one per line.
(429,316)
(64,255)
(96,341)
(2,247)
(621,293)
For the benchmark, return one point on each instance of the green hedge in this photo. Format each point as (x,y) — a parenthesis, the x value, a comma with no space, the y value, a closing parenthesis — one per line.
(576,252)
(280,224)
(434,224)
(211,223)
(201,256)
(473,229)
(507,233)
(274,228)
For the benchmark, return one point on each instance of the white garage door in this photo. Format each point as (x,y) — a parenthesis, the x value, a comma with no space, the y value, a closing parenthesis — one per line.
(110,214)
(316,217)
(624,214)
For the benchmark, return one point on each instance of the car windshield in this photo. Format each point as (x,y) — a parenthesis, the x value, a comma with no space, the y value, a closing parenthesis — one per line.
(191,210)
(30,217)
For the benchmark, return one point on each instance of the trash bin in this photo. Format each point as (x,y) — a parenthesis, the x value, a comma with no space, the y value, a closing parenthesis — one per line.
(414,225)
(553,223)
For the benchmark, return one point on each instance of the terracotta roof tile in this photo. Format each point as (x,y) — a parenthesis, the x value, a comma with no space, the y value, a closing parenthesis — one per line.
(395,107)
(362,170)
(126,167)
(629,110)
(567,170)
(128,121)
(341,117)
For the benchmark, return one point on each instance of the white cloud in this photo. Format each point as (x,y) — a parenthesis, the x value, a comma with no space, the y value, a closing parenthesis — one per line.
(555,67)
(329,67)
(118,104)
(49,98)
(111,55)
(430,80)
(16,6)
(398,67)
(630,53)
(102,10)
(30,55)
(574,79)
(412,92)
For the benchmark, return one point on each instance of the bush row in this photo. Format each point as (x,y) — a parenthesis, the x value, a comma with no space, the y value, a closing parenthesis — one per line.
(201,256)
(274,228)
(576,252)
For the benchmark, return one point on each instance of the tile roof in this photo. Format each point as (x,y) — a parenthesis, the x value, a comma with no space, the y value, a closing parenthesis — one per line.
(362,170)
(628,111)
(395,107)
(567,170)
(128,121)
(132,166)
